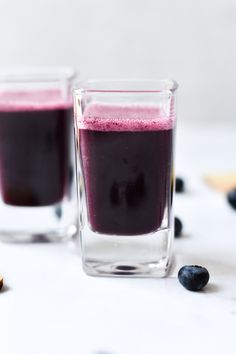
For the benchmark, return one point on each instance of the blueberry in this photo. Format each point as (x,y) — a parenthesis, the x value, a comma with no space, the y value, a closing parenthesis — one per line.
(179,185)
(58,212)
(193,277)
(178,227)
(231,196)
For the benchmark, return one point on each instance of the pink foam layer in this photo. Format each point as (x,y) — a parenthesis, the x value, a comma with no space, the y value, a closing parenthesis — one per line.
(12,101)
(104,117)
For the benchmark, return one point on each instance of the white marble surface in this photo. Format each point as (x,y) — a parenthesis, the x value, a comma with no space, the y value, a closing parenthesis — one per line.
(49,306)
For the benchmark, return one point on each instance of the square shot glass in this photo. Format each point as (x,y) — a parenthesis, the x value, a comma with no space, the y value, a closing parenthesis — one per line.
(37,156)
(125,140)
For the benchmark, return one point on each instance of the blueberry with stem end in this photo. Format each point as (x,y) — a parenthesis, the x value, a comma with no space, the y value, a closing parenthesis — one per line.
(179,185)
(178,227)
(193,277)
(231,197)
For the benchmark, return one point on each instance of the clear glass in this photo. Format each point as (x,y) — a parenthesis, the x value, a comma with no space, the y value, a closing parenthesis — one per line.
(125,135)
(37,156)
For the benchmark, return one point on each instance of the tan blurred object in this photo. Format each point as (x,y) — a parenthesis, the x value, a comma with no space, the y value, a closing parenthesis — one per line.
(1,282)
(222,182)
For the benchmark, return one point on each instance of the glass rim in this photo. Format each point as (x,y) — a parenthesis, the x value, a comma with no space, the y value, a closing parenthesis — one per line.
(127,86)
(39,74)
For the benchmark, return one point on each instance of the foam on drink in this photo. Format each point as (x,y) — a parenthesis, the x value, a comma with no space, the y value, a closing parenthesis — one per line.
(14,101)
(105,117)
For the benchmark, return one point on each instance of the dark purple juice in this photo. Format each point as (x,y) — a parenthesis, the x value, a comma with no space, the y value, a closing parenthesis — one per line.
(34,154)
(126,156)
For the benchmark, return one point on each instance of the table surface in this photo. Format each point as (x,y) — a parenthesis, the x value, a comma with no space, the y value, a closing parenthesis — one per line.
(49,306)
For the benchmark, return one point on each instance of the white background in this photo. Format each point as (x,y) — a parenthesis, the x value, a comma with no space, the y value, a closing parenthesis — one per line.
(190,41)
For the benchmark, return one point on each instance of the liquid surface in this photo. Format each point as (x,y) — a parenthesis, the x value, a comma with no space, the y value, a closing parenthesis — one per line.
(34,148)
(126,156)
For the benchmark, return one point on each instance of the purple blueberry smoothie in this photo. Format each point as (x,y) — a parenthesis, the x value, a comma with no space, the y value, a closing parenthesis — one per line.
(35,136)
(126,158)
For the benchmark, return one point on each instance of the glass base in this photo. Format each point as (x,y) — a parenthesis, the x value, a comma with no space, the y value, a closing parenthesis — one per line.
(59,235)
(38,224)
(146,255)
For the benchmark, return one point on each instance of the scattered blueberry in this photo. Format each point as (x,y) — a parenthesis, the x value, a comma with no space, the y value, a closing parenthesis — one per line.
(58,212)
(178,227)
(231,196)
(179,185)
(193,277)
